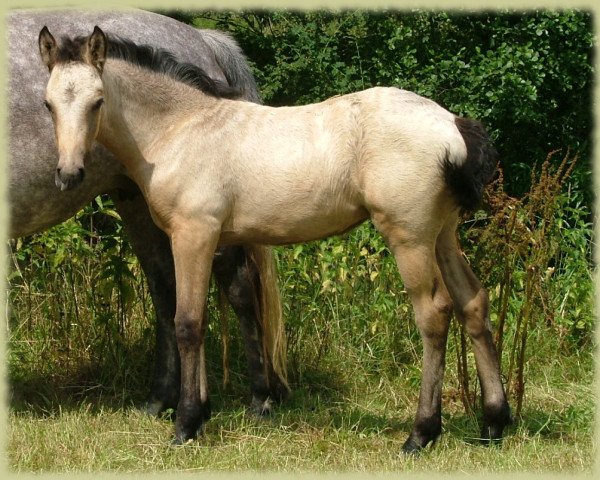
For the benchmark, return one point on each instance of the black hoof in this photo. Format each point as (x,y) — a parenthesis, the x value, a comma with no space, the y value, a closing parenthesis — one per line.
(179,441)
(190,422)
(425,431)
(415,443)
(263,401)
(411,447)
(187,433)
(491,435)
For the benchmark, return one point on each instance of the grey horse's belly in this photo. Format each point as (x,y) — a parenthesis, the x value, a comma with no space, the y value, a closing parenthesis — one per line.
(36,203)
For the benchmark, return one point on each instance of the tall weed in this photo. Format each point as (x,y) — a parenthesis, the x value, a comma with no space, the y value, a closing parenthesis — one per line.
(534,255)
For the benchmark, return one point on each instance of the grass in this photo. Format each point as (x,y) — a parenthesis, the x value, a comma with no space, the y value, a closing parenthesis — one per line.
(340,418)
(84,441)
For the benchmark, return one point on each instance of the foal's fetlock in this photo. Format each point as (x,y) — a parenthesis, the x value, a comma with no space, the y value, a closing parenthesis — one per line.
(494,422)
(190,422)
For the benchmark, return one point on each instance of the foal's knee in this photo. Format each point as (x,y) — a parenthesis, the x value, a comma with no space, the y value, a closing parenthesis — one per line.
(442,302)
(475,315)
(434,318)
(188,330)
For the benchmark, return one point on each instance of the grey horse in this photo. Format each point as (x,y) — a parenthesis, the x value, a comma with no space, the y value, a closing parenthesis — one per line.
(36,203)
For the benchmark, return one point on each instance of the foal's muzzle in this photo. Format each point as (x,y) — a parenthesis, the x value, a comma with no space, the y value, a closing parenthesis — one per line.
(68,179)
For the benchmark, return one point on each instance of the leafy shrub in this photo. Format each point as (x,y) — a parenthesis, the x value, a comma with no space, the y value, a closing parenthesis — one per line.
(78,300)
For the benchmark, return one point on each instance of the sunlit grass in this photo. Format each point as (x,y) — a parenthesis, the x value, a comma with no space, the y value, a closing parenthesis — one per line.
(339,418)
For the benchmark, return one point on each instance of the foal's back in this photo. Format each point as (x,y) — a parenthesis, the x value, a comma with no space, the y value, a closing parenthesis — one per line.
(300,173)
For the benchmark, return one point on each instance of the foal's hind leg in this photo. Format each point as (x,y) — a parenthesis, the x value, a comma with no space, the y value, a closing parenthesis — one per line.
(471,306)
(239,279)
(433,307)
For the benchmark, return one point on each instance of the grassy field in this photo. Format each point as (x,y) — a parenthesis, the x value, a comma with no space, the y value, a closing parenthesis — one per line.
(74,387)
(339,418)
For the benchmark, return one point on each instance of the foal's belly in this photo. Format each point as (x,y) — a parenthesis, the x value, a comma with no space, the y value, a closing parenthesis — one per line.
(291,225)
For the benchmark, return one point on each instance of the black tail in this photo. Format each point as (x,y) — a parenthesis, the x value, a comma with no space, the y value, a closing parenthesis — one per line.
(468,180)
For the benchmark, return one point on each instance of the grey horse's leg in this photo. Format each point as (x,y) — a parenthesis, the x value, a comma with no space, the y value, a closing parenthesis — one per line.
(239,279)
(153,250)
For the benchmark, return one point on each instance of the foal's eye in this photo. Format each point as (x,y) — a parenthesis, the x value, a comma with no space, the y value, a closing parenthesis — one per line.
(97,104)
(48,106)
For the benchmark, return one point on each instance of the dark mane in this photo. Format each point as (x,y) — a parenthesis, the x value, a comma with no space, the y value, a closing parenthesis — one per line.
(151,58)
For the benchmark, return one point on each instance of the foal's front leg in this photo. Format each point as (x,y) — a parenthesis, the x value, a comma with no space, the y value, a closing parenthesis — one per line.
(193,250)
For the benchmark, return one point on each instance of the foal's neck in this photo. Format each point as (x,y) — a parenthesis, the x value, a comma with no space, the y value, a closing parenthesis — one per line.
(141,108)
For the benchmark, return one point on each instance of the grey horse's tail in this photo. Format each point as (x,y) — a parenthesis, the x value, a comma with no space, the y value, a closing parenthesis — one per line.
(232,61)
(467,180)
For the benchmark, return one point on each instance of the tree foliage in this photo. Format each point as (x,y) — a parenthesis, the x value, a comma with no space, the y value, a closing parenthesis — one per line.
(528,76)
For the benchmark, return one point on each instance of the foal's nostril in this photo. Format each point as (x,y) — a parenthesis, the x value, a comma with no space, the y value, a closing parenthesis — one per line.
(69,178)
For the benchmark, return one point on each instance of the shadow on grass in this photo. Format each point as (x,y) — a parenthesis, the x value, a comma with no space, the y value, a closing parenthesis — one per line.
(121,381)
(557,424)
(546,424)
(319,399)
(48,394)
(118,377)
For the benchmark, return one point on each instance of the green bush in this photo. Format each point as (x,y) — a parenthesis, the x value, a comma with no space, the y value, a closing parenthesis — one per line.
(78,303)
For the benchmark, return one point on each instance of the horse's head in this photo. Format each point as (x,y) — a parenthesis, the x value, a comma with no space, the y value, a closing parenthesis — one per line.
(74,97)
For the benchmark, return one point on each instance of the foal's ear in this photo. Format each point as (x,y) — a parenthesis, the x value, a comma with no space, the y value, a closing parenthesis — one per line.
(96,47)
(48,48)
